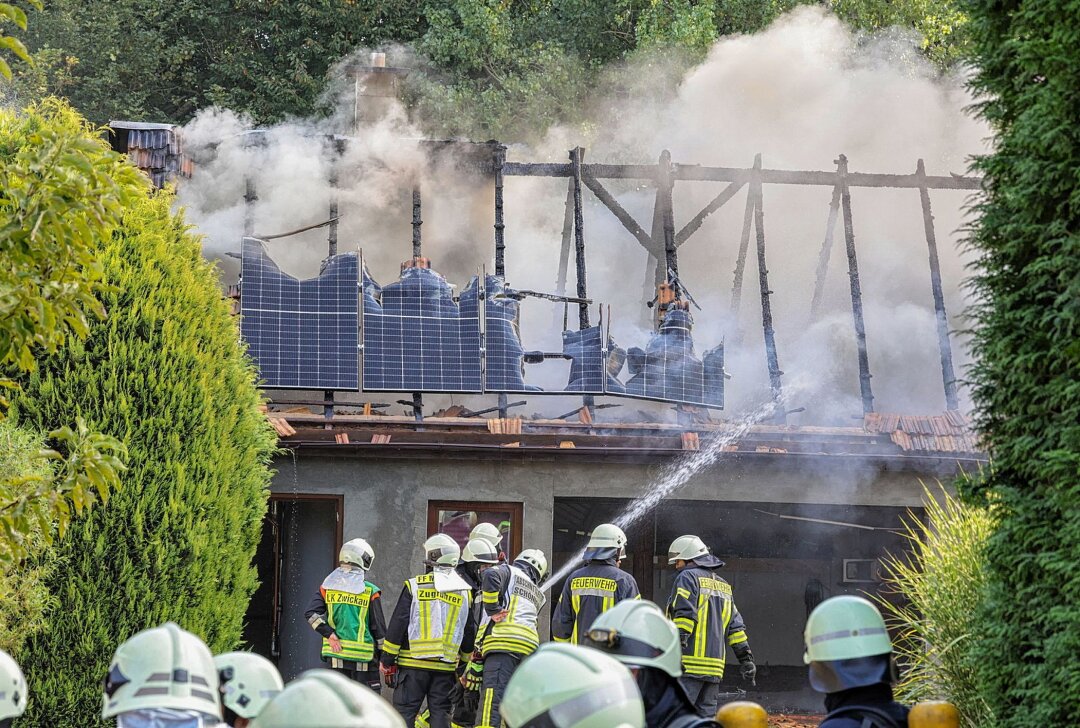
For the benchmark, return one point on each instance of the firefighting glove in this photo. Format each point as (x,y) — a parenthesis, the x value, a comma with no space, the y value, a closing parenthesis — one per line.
(684,639)
(389,675)
(473,678)
(747,668)
(471,701)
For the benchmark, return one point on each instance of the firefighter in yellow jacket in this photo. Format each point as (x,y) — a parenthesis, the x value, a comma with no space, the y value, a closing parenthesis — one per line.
(512,601)
(347,614)
(703,608)
(431,633)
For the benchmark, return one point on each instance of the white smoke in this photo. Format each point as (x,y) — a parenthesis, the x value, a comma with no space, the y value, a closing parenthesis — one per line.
(800,93)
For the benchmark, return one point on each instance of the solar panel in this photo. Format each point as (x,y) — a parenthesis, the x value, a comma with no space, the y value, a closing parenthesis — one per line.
(418,339)
(668,369)
(587,371)
(302,334)
(504,368)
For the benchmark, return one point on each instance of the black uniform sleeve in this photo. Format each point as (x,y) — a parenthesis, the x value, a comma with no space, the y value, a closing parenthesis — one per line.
(397,634)
(468,639)
(681,607)
(316,615)
(376,620)
(563,618)
(736,635)
(494,589)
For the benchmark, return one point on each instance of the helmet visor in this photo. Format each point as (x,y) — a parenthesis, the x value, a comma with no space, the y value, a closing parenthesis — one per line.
(165,718)
(837,675)
(576,710)
(619,645)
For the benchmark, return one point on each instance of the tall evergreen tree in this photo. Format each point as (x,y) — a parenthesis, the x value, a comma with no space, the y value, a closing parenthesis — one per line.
(1027,340)
(166,374)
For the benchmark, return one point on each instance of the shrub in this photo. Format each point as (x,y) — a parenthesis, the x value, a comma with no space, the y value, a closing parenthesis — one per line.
(165,373)
(940,583)
(24,596)
(1026,376)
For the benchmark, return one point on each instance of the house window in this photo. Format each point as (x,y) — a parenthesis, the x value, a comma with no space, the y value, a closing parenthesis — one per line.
(458,518)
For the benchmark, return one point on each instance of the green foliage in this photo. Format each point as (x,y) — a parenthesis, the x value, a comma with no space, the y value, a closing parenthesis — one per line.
(1026,379)
(167,374)
(680,23)
(10,13)
(24,596)
(941,582)
(942,25)
(62,191)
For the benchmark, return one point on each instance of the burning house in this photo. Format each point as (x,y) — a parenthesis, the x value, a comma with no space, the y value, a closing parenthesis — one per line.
(401,404)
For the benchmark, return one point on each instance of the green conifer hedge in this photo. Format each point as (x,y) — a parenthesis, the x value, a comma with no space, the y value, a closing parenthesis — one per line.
(1027,340)
(167,374)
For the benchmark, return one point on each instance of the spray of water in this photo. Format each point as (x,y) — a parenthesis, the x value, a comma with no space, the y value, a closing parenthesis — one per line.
(678,473)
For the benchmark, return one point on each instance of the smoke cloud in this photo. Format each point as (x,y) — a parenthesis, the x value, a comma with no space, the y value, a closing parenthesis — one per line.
(800,93)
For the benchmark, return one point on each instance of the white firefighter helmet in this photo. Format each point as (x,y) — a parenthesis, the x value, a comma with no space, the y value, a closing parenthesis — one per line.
(488,532)
(326,699)
(248,682)
(441,550)
(607,541)
(536,559)
(479,551)
(162,667)
(572,687)
(12,688)
(357,552)
(686,548)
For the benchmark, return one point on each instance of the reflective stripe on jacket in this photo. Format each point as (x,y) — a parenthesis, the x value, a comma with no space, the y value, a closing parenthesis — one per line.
(587,593)
(702,605)
(431,628)
(349,598)
(506,588)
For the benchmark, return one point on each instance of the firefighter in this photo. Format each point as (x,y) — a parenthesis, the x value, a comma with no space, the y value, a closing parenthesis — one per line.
(489,532)
(594,588)
(327,699)
(637,634)
(512,602)
(248,683)
(162,677)
(703,609)
(431,631)
(479,556)
(568,686)
(347,613)
(12,690)
(850,658)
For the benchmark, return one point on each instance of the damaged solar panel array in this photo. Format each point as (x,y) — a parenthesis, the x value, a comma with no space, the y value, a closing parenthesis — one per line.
(418,337)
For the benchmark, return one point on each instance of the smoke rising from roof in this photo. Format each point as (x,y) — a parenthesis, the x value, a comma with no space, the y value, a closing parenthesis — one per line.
(801,92)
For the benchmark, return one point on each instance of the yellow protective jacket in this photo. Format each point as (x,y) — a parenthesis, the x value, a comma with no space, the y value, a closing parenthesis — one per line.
(702,606)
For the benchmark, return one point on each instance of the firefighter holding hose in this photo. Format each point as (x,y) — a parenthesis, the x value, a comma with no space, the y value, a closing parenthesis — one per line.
(594,588)
(703,608)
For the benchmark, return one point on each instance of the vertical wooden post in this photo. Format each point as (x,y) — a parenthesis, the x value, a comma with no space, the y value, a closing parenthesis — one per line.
(771,358)
(856,288)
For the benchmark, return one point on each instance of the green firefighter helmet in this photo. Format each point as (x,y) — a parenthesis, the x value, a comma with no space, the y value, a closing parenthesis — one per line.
(357,552)
(479,551)
(847,645)
(536,559)
(571,686)
(686,548)
(635,632)
(488,532)
(326,699)
(606,541)
(12,688)
(162,667)
(441,550)
(248,682)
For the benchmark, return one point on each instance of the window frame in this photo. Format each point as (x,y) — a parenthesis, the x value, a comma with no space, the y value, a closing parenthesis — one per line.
(515,509)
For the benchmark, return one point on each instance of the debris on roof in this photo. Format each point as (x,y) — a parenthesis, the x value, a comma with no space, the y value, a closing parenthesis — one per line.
(156,149)
(948,432)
